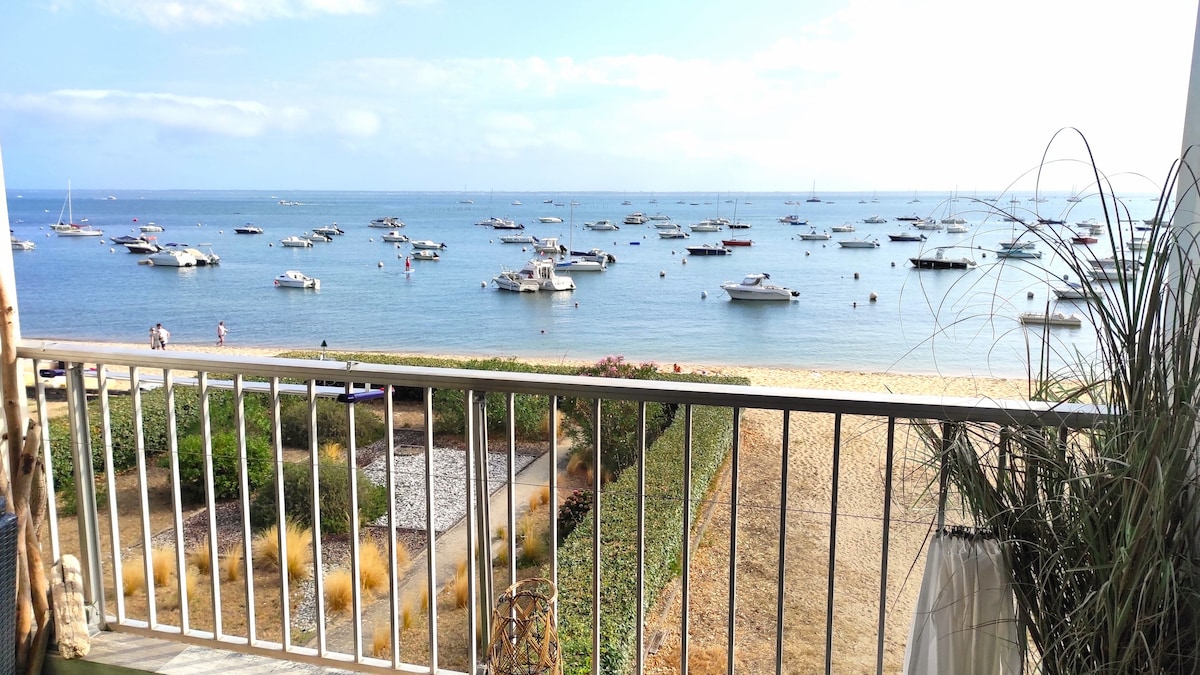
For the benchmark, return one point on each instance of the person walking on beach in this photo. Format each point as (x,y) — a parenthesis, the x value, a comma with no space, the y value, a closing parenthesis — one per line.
(153,338)
(221,332)
(164,336)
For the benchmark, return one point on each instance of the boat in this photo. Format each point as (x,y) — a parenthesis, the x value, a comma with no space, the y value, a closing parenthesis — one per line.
(426,244)
(248,228)
(296,242)
(202,259)
(549,219)
(127,239)
(295,279)
(504,224)
(939,261)
(1050,319)
(516,202)
(1024,253)
(636,218)
(706,226)
(708,249)
(425,254)
(537,275)
(953,220)
(1051,221)
(660,216)
(549,245)
(581,265)
(172,257)
(518,239)
(329,230)
(957,228)
(595,254)
(73,230)
(1112,269)
(928,225)
(666,225)
(150,227)
(1138,244)
(1085,239)
(812,196)
(793,219)
(844,227)
(912,219)
(814,236)
(316,236)
(21,244)
(737,242)
(1074,198)
(394,236)
(1073,290)
(602,225)
(142,247)
(673,233)
(386,223)
(875,220)
(858,243)
(754,287)
(906,236)
(1017,243)
(737,225)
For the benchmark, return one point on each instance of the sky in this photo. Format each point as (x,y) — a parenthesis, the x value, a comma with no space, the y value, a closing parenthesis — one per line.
(621,95)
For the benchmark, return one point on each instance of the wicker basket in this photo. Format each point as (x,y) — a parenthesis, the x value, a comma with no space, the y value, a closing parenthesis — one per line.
(524,637)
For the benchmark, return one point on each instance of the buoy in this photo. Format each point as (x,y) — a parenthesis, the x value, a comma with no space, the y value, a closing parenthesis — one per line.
(873,296)
(381,263)
(854,304)
(483,284)
(984,255)
(703,294)
(662,273)
(808,253)
(577,305)
(276,282)
(1029,295)
(371,239)
(893,263)
(220,231)
(1066,277)
(856,275)
(269,244)
(112,250)
(685,261)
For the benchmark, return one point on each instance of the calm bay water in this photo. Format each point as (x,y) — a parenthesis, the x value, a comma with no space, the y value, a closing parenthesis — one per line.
(649,306)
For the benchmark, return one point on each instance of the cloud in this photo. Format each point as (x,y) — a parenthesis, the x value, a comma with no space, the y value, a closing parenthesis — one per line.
(243,119)
(176,14)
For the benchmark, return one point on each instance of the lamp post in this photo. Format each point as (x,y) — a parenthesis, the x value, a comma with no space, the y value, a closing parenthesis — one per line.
(324,349)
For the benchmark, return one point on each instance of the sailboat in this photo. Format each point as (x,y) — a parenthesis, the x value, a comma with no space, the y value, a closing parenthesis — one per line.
(70,228)
(1074,196)
(812,196)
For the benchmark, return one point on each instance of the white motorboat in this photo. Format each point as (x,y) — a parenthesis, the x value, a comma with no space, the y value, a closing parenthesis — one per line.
(296,242)
(504,224)
(581,265)
(172,257)
(1052,319)
(858,243)
(660,216)
(549,219)
(150,227)
(927,225)
(754,287)
(1112,269)
(957,228)
(636,218)
(518,239)
(1022,253)
(595,254)
(394,236)
(814,236)
(673,233)
(906,236)
(425,254)
(142,247)
(387,223)
(708,249)
(1073,290)
(295,279)
(875,220)
(202,259)
(793,220)
(516,202)
(844,227)
(602,225)
(22,245)
(329,230)
(538,275)
(1017,243)
(248,228)
(317,236)
(666,225)
(549,246)
(427,244)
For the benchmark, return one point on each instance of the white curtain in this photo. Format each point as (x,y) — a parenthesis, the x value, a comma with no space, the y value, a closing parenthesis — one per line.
(964,621)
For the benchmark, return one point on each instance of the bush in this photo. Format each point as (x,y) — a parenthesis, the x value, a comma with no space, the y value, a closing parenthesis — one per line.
(333,423)
(335,498)
(574,509)
(226,480)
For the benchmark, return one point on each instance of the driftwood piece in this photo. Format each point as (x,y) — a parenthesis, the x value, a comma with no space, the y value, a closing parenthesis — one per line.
(70,620)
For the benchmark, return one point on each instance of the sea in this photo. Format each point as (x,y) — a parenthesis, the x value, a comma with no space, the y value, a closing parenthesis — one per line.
(857,309)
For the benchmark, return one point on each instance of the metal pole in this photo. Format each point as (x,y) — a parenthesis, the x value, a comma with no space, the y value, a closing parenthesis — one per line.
(483,518)
(85,492)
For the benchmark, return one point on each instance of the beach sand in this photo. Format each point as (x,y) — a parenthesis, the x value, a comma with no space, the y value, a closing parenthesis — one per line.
(860,508)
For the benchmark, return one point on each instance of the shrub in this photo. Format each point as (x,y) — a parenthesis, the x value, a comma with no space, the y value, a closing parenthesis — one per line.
(197,557)
(333,423)
(133,577)
(573,510)
(381,641)
(403,559)
(226,469)
(339,591)
(334,486)
(231,564)
(372,567)
(161,561)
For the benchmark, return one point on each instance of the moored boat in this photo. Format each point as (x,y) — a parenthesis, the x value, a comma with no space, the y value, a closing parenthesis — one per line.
(537,275)
(248,228)
(858,243)
(755,287)
(708,249)
(737,242)
(938,261)
(386,223)
(296,242)
(813,235)
(296,279)
(427,244)
(1050,319)
(875,220)
(906,236)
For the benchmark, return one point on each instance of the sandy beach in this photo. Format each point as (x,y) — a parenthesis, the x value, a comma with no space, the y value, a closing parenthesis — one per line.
(860,510)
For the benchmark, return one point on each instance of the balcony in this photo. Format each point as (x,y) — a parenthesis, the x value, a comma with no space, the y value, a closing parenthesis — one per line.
(761,530)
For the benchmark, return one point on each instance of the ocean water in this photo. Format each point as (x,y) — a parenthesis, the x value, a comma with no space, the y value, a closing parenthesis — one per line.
(654,304)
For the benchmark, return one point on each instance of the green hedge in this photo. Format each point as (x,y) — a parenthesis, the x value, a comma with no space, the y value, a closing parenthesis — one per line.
(712,437)
(226,478)
(335,497)
(333,423)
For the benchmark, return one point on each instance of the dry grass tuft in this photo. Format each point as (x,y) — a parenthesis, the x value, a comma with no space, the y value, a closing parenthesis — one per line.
(381,641)
(403,557)
(299,552)
(500,555)
(231,564)
(535,501)
(544,494)
(372,567)
(406,616)
(339,591)
(459,586)
(162,561)
(133,577)
(577,465)
(527,527)
(533,551)
(501,531)
(265,546)
(174,600)
(332,451)
(425,600)
(197,557)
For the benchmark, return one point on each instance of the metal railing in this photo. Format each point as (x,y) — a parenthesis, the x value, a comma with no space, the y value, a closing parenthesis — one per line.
(259,614)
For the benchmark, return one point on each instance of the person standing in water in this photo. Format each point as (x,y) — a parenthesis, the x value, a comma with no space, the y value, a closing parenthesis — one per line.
(222,331)
(164,336)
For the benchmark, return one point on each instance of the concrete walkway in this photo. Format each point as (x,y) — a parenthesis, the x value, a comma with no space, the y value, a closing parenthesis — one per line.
(450,549)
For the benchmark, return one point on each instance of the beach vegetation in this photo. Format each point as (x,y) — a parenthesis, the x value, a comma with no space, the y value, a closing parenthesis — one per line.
(226,466)
(381,640)
(133,577)
(335,509)
(299,549)
(339,591)
(1098,525)
(372,567)
(231,563)
(333,423)
(161,562)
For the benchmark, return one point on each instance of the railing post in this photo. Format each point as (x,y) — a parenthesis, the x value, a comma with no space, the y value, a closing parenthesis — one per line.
(483,517)
(85,495)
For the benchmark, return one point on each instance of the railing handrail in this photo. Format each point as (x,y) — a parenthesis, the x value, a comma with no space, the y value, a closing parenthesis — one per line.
(943,408)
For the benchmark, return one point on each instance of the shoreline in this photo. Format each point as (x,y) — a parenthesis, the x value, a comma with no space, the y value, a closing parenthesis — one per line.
(767,376)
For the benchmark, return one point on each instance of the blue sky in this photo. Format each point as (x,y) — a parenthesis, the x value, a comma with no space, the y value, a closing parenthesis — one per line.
(646,95)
